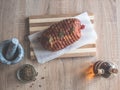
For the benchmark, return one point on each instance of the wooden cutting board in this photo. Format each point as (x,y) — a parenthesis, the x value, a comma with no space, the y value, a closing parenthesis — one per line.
(38,23)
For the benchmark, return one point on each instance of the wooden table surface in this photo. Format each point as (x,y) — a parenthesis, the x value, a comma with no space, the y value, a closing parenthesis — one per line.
(61,74)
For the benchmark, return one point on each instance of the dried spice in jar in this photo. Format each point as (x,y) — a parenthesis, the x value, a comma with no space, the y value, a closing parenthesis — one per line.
(27,73)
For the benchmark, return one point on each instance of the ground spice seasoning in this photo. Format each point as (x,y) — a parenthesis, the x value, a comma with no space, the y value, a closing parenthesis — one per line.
(27,73)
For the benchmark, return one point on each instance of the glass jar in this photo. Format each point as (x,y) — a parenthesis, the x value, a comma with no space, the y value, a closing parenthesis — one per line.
(104,68)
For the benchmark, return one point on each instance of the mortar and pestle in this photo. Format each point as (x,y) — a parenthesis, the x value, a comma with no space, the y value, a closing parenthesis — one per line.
(11,51)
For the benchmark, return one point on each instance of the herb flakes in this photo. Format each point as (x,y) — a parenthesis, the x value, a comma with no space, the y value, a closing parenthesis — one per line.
(61,34)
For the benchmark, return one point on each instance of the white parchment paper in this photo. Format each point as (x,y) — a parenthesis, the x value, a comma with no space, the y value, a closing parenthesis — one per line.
(88,36)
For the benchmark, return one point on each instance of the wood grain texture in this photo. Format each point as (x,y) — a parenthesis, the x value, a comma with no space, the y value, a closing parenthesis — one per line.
(61,74)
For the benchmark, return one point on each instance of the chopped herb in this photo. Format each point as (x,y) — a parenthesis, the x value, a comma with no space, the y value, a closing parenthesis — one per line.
(50,39)
(42,77)
(40,85)
(61,34)
(72,29)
